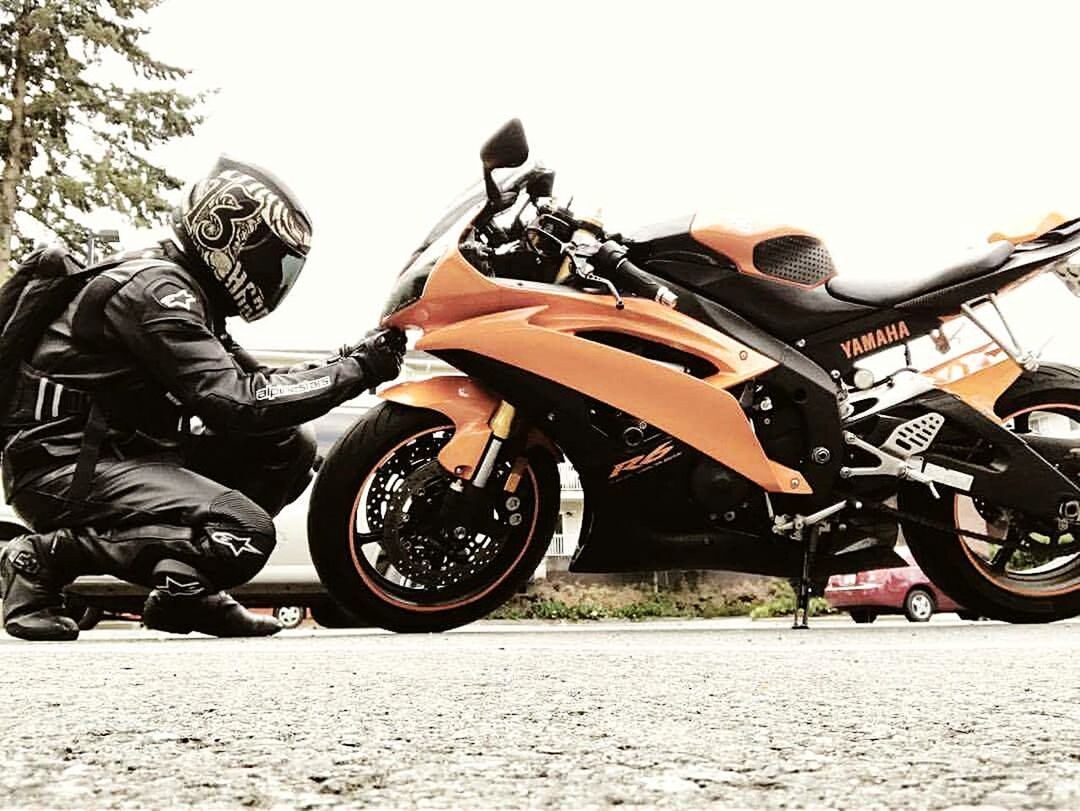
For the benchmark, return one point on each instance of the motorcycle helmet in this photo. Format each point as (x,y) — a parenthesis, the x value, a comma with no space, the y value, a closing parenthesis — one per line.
(248,230)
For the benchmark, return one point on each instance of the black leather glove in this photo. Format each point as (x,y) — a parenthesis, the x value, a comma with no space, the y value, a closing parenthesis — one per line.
(380,353)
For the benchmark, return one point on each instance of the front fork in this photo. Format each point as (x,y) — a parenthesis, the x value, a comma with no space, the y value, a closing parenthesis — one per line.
(501,424)
(468,502)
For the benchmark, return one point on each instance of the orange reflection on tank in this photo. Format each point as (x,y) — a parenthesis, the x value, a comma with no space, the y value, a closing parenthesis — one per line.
(736,241)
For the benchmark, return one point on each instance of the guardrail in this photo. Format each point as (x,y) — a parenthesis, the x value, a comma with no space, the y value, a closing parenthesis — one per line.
(557,547)
(569,477)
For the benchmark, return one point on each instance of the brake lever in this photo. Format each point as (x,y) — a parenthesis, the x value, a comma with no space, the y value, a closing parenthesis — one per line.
(592,277)
(579,255)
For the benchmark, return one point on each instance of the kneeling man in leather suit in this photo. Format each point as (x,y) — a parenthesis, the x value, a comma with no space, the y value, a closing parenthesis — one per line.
(145,444)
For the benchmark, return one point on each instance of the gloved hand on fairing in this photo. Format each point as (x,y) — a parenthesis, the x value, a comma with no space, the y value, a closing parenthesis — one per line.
(380,353)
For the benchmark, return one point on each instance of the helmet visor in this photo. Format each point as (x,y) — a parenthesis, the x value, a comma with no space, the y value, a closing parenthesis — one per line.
(291,265)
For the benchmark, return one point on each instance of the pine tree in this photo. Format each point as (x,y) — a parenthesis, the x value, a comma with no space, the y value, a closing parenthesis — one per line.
(70,140)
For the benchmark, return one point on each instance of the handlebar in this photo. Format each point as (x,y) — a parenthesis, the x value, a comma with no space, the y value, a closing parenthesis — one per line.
(610,261)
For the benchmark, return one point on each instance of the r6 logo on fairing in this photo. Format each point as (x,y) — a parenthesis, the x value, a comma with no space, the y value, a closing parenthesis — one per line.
(644,460)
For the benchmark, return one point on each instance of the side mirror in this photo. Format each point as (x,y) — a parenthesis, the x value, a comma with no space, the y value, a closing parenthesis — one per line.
(507,148)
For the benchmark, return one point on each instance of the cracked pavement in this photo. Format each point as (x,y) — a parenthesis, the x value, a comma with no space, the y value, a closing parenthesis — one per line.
(666,714)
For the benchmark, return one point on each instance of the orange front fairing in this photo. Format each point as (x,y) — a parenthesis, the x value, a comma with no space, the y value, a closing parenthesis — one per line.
(536,328)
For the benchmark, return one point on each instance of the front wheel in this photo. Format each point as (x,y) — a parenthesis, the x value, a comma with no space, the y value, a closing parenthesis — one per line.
(1034,575)
(375,526)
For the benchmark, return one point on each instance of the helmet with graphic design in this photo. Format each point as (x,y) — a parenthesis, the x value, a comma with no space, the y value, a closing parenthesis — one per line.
(249,231)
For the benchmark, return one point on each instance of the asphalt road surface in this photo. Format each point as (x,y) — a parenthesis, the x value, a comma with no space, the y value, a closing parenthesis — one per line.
(685,715)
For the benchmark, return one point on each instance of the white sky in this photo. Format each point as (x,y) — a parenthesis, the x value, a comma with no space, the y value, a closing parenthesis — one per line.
(900,135)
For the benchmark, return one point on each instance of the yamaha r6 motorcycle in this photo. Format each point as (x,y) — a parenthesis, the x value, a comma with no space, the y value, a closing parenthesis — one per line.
(709,384)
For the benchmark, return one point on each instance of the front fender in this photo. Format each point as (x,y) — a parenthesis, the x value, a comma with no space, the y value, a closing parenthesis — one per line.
(469,406)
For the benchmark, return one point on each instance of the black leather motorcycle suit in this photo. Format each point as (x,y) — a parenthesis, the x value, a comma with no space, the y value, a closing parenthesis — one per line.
(104,431)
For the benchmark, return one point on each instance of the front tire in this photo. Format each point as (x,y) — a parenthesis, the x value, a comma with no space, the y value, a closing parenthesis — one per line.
(973,573)
(328,614)
(386,465)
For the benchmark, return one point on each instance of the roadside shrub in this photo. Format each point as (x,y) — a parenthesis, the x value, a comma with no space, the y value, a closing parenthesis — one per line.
(782,603)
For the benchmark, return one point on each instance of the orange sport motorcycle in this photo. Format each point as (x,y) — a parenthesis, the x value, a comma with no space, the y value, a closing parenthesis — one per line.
(712,386)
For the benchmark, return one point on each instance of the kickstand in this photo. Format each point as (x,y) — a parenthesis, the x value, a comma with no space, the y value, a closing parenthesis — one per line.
(802,592)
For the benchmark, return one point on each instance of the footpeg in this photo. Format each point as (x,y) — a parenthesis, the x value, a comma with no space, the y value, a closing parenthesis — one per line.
(899,456)
(913,475)
(914,436)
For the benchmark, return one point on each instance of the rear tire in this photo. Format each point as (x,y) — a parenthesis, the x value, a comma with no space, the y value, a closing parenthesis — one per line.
(949,561)
(862,616)
(340,554)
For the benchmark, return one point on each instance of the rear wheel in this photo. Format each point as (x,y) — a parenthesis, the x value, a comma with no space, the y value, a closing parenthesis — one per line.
(862,616)
(1040,580)
(376,530)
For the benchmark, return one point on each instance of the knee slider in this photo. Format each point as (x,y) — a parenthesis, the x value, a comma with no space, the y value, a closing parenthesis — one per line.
(240,534)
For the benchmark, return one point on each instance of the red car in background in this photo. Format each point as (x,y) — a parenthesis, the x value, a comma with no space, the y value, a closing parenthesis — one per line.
(904,590)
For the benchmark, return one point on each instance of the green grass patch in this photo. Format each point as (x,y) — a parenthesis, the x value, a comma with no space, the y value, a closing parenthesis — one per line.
(575,603)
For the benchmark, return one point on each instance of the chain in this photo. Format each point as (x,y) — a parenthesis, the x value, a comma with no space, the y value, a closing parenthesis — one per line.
(892,512)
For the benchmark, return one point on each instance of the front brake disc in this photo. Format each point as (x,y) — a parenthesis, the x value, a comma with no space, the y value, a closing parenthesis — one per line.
(416,543)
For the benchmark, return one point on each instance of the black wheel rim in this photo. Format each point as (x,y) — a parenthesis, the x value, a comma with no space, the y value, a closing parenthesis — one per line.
(1049,562)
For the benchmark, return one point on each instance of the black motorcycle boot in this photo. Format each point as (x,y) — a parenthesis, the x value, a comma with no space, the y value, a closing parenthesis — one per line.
(33,572)
(182,602)
(214,614)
